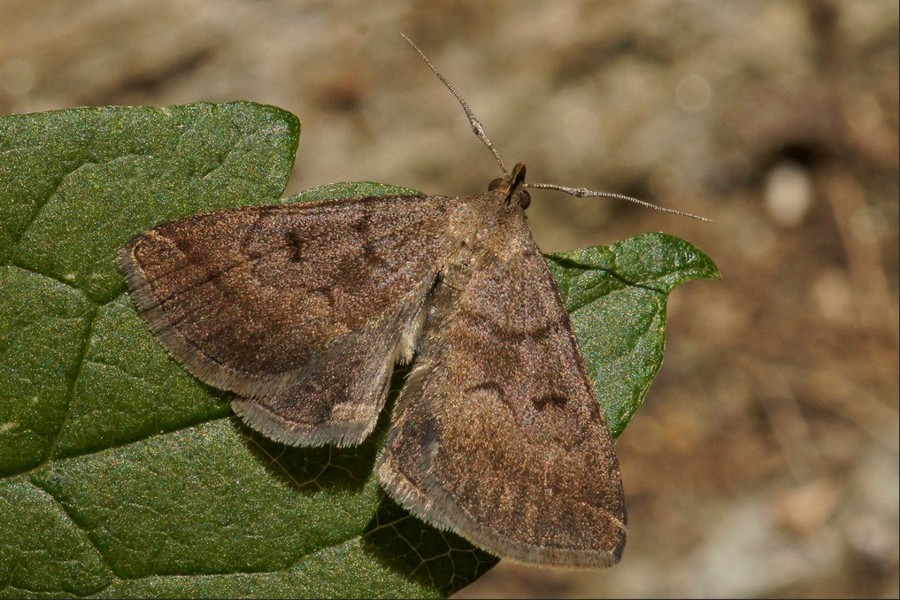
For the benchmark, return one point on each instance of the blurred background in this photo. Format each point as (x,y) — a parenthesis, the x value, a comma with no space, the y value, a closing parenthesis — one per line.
(765,460)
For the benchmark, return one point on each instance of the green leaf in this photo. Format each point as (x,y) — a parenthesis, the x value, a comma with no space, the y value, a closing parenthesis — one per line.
(616,297)
(122,475)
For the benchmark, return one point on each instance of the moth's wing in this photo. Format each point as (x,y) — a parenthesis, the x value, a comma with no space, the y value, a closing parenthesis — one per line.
(498,434)
(301,309)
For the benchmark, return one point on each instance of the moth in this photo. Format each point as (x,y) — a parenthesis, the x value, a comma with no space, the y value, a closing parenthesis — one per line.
(303,310)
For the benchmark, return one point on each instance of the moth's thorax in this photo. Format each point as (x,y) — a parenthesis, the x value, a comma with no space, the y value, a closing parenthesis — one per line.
(485,228)
(487,219)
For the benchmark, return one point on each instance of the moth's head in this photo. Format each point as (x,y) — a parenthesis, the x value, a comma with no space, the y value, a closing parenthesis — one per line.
(512,186)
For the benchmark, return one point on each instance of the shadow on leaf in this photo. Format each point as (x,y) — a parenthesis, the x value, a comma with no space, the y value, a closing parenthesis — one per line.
(312,470)
(436,558)
(326,467)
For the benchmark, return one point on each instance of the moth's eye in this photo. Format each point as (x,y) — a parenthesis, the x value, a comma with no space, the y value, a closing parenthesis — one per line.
(496,184)
(524,199)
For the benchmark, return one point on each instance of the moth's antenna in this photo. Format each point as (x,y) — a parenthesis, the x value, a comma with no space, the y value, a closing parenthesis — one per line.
(584,193)
(477,127)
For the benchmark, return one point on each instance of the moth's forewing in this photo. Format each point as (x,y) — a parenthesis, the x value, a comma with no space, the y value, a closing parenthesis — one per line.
(300,309)
(498,434)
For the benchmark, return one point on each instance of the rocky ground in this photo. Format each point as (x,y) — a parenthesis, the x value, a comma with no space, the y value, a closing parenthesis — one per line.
(765,460)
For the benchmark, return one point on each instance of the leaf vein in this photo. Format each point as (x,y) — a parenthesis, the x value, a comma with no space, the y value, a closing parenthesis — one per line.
(79,527)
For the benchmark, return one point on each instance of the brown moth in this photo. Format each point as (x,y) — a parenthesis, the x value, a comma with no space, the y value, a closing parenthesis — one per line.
(302,310)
